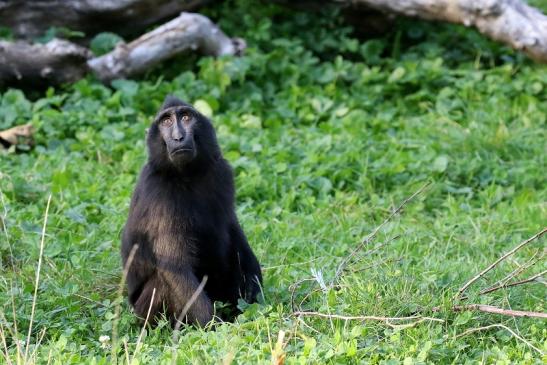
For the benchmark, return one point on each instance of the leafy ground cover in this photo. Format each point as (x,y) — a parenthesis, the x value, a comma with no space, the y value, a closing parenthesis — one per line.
(326,134)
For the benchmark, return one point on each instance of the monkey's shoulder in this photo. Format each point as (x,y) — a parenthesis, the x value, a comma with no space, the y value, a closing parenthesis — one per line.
(169,195)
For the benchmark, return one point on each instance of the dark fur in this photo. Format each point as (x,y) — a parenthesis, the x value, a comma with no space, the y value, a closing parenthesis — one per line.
(183,220)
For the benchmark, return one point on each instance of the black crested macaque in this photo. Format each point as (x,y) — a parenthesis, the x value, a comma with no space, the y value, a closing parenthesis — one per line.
(183,220)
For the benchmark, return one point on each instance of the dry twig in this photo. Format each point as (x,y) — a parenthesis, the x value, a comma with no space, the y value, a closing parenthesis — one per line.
(341,268)
(387,320)
(495,263)
(492,309)
(520,269)
(520,282)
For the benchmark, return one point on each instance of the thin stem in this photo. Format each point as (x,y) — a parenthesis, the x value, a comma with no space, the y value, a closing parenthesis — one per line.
(37,278)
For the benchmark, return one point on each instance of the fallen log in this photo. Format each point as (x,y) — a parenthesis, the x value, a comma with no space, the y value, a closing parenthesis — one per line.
(188,32)
(28,65)
(59,61)
(512,22)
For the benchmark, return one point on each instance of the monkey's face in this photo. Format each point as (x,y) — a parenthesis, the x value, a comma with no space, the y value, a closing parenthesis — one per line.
(181,138)
(177,127)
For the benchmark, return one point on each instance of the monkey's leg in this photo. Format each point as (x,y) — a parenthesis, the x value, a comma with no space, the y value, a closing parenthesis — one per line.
(183,284)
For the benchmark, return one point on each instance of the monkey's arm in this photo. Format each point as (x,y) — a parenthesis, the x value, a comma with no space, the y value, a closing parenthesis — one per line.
(247,262)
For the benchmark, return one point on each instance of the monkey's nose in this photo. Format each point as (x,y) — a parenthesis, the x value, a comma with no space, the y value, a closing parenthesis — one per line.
(177,136)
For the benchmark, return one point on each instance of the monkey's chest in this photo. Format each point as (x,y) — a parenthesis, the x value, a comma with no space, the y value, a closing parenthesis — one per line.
(196,229)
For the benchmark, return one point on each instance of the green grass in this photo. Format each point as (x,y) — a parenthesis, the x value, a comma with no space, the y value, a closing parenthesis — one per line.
(326,134)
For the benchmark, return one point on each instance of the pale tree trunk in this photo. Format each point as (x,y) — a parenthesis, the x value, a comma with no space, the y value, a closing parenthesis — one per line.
(512,22)
(38,65)
(60,61)
(188,32)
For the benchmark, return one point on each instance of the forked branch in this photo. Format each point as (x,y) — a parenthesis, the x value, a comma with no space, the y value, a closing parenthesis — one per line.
(495,263)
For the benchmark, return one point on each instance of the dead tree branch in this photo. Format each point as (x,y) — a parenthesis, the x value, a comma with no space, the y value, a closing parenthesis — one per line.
(521,268)
(493,309)
(60,61)
(188,32)
(387,320)
(495,263)
(508,285)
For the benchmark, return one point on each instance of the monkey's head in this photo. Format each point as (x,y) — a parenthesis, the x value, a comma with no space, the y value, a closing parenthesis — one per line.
(180,138)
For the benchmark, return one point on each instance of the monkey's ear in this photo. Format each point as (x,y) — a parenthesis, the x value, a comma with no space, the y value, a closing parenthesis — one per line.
(171,101)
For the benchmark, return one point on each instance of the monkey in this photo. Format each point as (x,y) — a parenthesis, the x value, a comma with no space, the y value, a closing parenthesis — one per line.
(182,225)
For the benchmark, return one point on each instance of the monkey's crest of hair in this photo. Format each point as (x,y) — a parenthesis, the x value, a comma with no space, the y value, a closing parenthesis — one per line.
(203,133)
(171,101)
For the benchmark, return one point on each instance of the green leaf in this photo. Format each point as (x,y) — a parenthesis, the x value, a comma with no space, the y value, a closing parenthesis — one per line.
(104,42)
(440,163)
(203,107)
(397,74)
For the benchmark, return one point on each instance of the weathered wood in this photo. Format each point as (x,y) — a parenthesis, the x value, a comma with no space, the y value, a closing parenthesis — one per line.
(35,65)
(188,32)
(512,22)
(21,134)
(29,19)
(59,61)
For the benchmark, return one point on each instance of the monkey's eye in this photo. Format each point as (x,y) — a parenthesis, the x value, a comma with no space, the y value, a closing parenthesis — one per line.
(166,122)
(185,117)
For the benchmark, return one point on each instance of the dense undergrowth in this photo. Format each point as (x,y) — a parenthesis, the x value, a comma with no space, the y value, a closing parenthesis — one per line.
(326,134)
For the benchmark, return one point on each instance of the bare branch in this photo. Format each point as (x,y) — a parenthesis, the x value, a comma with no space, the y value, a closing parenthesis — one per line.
(495,263)
(492,309)
(520,282)
(520,269)
(387,320)
(59,61)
